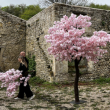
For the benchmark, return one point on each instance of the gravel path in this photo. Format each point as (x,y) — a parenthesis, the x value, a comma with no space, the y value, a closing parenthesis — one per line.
(94,97)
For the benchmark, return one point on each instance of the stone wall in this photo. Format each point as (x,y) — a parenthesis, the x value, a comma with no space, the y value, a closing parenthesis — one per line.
(100,21)
(19,35)
(12,40)
(37,28)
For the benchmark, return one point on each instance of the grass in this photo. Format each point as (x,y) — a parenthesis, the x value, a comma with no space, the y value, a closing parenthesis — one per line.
(11,108)
(65,90)
(88,96)
(94,105)
(75,105)
(88,89)
(36,80)
(99,97)
(96,108)
(106,96)
(40,107)
(99,88)
(49,86)
(102,80)
(104,92)
(81,90)
(59,99)
(108,103)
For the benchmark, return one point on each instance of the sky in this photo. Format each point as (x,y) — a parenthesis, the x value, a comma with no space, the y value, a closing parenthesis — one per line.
(102,2)
(17,2)
(31,2)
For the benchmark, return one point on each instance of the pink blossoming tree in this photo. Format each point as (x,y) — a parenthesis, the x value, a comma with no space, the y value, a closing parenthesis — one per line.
(10,80)
(69,43)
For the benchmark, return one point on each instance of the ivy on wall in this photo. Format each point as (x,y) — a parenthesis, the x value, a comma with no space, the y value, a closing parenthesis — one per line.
(32,66)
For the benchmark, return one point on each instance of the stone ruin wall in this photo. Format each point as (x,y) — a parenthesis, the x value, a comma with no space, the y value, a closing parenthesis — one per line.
(12,40)
(19,35)
(37,28)
(100,21)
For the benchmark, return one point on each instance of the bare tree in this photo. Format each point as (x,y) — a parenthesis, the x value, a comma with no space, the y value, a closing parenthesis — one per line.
(70,2)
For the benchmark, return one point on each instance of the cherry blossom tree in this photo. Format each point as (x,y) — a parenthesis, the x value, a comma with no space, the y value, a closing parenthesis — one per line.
(68,42)
(10,80)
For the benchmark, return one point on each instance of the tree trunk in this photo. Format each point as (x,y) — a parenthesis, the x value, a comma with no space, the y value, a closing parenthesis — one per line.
(76,81)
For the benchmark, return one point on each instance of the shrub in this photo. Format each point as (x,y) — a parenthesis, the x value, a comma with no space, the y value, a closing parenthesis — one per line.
(32,66)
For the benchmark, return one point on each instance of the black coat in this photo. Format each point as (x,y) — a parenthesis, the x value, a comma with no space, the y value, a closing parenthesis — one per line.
(23,68)
(26,61)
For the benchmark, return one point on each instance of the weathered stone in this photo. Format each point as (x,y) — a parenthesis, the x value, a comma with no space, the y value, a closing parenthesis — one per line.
(38,27)
(11,40)
(19,35)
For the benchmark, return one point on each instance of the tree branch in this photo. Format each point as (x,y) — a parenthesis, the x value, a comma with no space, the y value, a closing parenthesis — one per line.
(79,60)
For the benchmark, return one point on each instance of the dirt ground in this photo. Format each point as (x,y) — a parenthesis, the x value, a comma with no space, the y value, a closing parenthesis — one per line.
(92,97)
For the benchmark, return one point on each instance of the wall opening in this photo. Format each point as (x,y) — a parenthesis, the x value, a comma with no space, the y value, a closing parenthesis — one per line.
(82,67)
(78,12)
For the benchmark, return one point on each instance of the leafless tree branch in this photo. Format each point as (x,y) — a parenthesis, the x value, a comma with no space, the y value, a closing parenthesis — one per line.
(70,2)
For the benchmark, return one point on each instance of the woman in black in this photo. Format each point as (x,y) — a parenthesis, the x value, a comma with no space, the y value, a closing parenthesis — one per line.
(24,89)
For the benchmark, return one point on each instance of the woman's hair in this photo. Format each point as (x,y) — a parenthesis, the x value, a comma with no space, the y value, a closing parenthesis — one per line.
(23,60)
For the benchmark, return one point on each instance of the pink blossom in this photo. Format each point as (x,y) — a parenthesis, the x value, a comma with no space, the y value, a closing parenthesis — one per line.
(67,40)
(9,80)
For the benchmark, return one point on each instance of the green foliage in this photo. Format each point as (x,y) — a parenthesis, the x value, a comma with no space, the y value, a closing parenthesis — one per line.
(36,80)
(32,65)
(102,80)
(30,11)
(15,10)
(49,85)
(71,63)
(22,11)
(55,83)
(26,12)
(103,23)
(105,7)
